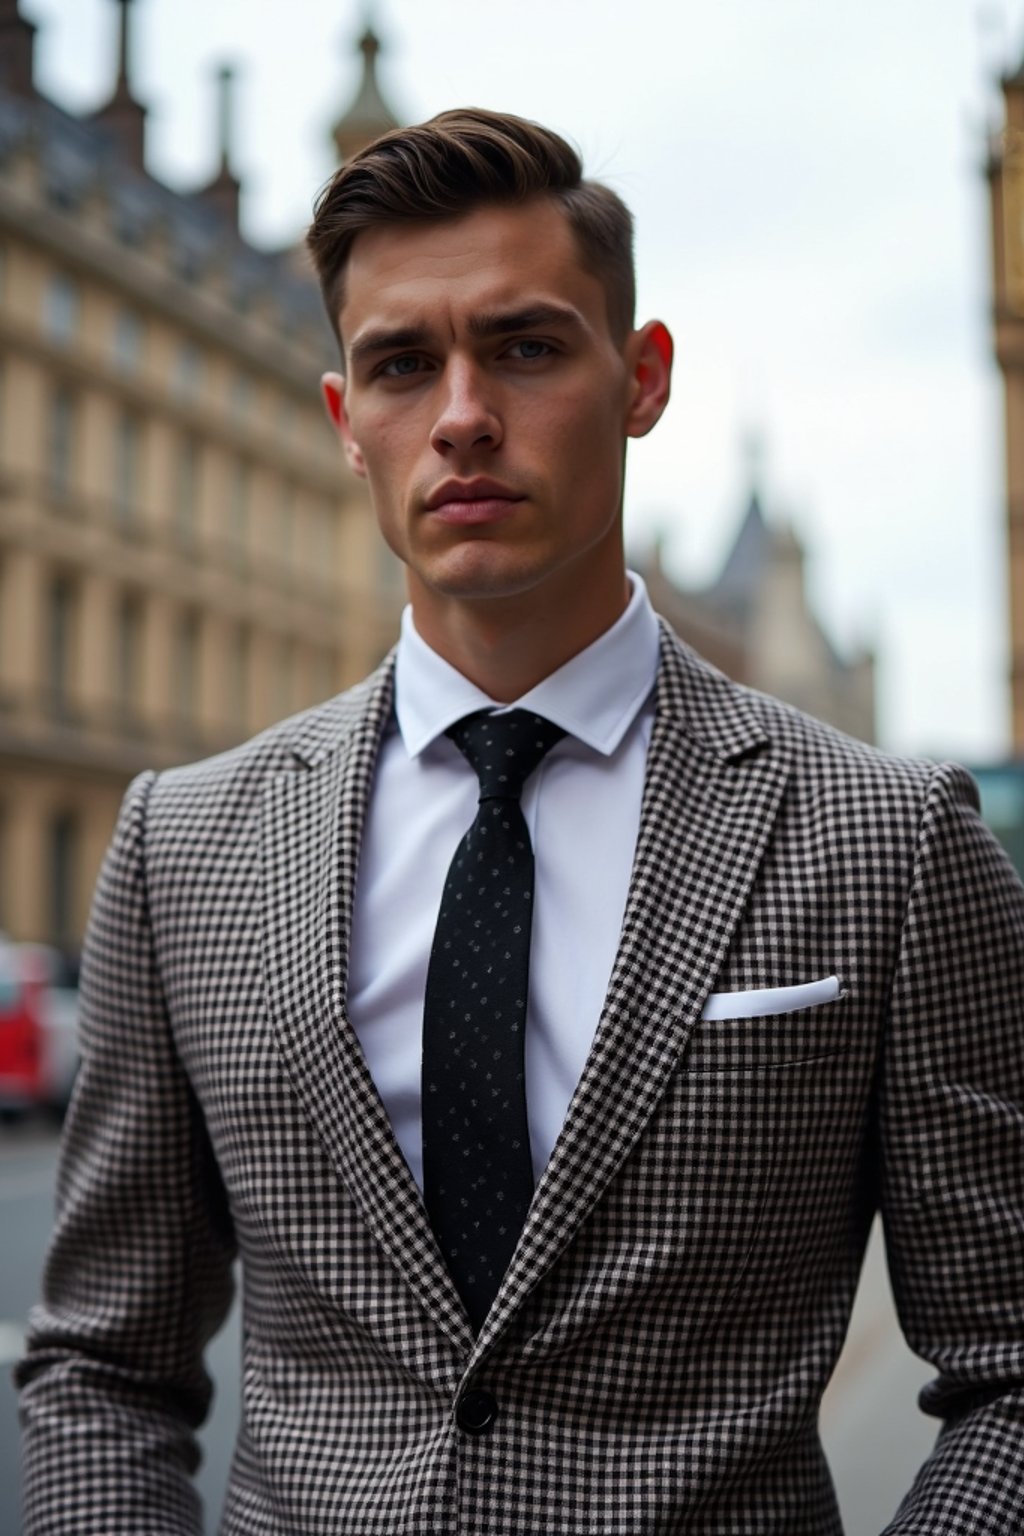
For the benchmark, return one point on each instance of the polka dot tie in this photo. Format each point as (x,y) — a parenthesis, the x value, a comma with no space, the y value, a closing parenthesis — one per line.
(477,1172)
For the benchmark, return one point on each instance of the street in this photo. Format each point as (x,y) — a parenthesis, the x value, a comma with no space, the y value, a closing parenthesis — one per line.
(874,1435)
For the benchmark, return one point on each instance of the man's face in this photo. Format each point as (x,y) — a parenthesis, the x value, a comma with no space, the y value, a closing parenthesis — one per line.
(487,403)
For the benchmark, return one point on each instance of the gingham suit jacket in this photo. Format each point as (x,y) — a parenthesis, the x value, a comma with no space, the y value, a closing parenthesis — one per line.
(681,1289)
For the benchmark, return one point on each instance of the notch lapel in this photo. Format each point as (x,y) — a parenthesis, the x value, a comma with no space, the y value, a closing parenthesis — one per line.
(312,825)
(712,791)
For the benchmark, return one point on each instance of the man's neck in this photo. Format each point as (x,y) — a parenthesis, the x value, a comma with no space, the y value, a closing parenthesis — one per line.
(505,645)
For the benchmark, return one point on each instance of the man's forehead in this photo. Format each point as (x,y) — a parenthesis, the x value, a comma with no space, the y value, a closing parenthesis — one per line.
(491,259)
(506,226)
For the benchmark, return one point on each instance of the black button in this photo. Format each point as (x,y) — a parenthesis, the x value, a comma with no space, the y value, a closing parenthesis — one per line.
(476,1411)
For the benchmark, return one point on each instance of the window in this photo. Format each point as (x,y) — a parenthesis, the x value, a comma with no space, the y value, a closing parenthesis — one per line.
(238,530)
(60,458)
(323,674)
(127,340)
(126,467)
(63,863)
(188,371)
(186,490)
(241,396)
(187,668)
(129,653)
(238,679)
(60,309)
(284,658)
(325,532)
(60,625)
(285,526)
(286,419)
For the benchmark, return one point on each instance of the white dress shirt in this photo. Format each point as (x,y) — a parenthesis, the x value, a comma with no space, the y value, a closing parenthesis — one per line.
(582,807)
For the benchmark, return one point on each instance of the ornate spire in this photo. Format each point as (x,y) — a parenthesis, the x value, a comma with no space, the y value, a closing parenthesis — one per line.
(225,91)
(122,88)
(223,192)
(124,116)
(754,454)
(17,44)
(369,115)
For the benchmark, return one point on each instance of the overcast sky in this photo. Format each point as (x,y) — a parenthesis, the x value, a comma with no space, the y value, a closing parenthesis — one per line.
(812,225)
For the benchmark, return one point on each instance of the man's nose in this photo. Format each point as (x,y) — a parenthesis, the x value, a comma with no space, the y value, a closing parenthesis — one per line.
(468,416)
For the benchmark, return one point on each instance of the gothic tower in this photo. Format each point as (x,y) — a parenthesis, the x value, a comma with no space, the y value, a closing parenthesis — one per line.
(369,114)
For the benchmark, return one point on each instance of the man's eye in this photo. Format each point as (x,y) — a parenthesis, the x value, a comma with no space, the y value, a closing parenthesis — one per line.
(401,367)
(531,349)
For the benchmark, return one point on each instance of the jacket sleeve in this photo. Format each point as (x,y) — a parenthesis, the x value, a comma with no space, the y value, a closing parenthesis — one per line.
(952,1129)
(138,1274)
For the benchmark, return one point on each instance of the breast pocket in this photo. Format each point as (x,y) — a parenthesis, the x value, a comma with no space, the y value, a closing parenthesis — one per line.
(744,1174)
(764,1041)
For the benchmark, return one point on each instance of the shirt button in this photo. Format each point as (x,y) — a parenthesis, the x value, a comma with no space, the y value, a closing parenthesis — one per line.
(476,1411)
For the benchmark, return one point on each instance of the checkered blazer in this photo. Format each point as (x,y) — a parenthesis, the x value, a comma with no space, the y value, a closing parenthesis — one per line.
(677,1301)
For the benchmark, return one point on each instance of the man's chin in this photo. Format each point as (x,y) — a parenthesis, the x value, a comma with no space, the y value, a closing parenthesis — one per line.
(479,572)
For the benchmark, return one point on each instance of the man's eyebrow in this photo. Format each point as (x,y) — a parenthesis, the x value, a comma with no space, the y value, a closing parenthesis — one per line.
(489,323)
(532,318)
(371,342)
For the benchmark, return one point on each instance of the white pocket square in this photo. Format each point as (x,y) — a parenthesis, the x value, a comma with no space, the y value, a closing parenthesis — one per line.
(765,1000)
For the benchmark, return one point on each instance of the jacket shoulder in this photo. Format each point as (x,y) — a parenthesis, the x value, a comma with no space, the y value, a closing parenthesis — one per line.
(732,720)
(230,781)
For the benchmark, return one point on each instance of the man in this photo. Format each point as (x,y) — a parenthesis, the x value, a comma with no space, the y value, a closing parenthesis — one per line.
(596,1285)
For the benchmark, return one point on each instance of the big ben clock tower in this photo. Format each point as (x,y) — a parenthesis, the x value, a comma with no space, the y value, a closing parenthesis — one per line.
(1006,181)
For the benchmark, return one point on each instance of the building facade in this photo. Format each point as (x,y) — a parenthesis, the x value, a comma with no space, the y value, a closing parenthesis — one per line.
(183,556)
(1006,183)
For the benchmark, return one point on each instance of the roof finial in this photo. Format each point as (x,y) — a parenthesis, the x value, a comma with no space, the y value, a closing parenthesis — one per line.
(123,115)
(754,454)
(224,191)
(17,43)
(122,59)
(225,92)
(369,115)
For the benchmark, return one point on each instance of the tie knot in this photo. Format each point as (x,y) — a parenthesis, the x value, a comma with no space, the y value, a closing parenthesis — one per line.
(504,749)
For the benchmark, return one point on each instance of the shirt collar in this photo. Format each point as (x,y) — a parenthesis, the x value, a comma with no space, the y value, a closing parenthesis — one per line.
(595,696)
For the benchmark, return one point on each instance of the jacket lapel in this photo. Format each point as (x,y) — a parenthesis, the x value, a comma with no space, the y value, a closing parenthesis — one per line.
(712,791)
(312,823)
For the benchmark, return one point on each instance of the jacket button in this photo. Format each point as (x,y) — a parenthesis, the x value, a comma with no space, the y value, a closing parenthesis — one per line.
(476,1411)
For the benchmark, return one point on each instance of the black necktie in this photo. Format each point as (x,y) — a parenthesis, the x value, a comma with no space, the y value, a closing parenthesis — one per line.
(477,1172)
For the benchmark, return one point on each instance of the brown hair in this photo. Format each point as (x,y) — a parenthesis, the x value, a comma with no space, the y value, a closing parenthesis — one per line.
(455,163)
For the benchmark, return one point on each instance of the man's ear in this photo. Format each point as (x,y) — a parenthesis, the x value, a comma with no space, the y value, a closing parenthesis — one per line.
(649,353)
(332,388)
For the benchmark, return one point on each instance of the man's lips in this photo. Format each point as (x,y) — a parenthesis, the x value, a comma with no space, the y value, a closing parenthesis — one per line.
(484,509)
(474,501)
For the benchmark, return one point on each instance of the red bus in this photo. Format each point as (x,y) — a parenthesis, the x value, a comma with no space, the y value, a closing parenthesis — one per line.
(38,1052)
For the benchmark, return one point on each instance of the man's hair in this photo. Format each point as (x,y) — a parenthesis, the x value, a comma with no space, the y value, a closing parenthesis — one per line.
(457,162)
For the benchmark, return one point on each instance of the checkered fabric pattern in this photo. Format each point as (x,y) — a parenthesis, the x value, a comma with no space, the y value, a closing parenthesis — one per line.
(659,1345)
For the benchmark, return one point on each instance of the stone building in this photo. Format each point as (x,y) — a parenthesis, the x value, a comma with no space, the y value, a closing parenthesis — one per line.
(756,624)
(183,556)
(1006,183)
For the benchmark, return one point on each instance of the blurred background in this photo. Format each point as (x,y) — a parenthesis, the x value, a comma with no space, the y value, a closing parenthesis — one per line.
(830,218)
